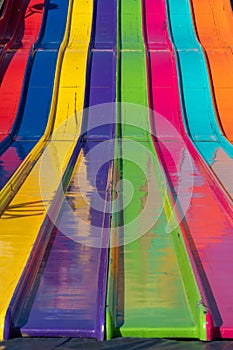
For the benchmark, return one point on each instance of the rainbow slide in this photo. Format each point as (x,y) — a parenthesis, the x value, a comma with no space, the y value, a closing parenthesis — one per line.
(116,163)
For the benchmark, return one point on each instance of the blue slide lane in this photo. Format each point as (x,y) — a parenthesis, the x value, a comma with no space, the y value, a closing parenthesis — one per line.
(37,92)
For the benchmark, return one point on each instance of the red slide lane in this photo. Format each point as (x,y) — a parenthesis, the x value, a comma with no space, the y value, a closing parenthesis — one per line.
(208,215)
(14,54)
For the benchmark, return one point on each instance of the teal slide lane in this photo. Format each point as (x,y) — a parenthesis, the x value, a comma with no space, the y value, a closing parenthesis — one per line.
(198,106)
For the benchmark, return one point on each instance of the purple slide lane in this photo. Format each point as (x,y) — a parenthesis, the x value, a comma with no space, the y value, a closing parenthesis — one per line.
(67,297)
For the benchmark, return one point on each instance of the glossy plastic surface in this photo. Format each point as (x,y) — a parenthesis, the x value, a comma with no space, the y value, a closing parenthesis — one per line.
(36,98)
(208,219)
(162,284)
(18,240)
(61,290)
(152,291)
(199,114)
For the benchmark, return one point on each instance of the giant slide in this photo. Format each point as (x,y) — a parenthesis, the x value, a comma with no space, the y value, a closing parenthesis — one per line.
(116,171)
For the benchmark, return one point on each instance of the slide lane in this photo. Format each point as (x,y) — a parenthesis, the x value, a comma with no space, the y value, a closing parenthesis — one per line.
(152,291)
(67,297)
(28,209)
(207,223)
(33,112)
(17,39)
(199,111)
(214,27)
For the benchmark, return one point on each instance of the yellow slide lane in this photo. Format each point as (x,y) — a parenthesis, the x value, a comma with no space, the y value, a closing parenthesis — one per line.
(23,217)
(214,26)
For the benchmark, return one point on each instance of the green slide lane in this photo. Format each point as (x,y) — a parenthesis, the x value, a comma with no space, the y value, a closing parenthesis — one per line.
(152,291)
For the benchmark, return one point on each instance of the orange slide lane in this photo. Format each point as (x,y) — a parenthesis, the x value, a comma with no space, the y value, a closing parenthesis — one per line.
(214,26)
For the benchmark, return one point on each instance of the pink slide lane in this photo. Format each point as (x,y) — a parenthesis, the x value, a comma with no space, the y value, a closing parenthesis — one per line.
(204,210)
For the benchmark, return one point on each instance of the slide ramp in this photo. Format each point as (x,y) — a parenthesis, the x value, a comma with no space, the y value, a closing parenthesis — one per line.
(16,242)
(152,291)
(32,315)
(67,297)
(207,241)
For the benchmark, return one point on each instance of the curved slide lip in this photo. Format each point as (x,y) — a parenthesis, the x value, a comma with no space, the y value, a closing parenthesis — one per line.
(212,236)
(216,17)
